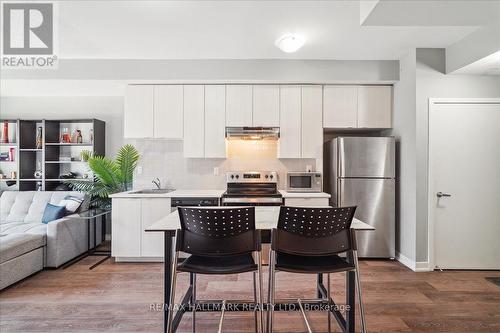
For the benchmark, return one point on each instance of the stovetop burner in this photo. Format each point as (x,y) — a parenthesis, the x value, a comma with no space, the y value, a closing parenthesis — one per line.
(252,188)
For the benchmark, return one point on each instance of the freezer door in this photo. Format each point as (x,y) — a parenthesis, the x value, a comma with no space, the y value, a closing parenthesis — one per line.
(371,157)
(375,201)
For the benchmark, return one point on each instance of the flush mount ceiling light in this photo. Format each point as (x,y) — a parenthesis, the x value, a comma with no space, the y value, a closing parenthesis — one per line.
(290,43)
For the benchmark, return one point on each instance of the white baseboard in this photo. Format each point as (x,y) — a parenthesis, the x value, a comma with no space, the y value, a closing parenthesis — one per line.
(416,266)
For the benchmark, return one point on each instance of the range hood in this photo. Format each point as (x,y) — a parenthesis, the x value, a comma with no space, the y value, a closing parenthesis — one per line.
(253,133)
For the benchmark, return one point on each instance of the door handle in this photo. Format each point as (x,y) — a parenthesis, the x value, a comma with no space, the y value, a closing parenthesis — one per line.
(441,194)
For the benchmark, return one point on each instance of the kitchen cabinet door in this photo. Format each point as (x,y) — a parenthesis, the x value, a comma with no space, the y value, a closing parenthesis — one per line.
(375,106)
(153,209)
(168,111)
(312,122)
(138,112)
(215,121)
(126,228)
(194,121)
(239,105)
(266,105)
(290,142)
(340,106)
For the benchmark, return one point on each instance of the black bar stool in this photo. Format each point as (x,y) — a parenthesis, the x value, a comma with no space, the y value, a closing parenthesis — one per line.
(219,241)
(309,241)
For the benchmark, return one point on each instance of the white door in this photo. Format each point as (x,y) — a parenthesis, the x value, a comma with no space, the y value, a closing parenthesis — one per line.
(168,111)
(266,105)
(464,163)
(239,105)
(138,116)
(215,121)
(194,121)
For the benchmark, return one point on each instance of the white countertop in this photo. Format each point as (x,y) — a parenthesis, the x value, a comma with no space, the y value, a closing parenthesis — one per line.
(287,194)
(173,194)
(265,218)
(209,193)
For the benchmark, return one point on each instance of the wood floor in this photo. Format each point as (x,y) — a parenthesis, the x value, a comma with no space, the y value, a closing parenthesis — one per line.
(121,298)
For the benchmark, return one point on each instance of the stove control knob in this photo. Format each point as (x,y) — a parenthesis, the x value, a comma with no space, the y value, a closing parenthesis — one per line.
(237,176)
(267,176)
(232,176)
(271,176)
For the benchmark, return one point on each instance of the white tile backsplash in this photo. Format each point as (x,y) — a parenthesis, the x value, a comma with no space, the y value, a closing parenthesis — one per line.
(164,159)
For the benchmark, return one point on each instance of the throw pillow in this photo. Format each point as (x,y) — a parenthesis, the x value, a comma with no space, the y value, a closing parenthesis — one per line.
(71,203)
(53,212)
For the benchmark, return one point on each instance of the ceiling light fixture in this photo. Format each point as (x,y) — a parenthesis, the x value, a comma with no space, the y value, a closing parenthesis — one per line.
(290,43)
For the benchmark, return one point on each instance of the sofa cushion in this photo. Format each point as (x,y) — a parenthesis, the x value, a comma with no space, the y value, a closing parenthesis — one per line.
(53,212)
(21,227)
(14,245)
(28,206)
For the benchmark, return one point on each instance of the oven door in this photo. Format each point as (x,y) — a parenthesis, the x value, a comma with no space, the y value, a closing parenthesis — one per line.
(239,201)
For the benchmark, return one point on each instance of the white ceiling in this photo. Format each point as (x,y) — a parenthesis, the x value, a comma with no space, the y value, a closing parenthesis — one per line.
(235,30)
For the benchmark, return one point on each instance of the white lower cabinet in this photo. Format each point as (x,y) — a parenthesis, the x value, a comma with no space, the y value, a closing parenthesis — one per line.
(130,217)
(126,228)
(153,209)
(306,202)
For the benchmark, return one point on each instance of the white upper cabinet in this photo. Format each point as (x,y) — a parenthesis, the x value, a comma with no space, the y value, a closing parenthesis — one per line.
(312,122)
(138,116)
(357,107)
(215,120)
(290,142)
(168,111)
(375,106)
(239,105)
(194,121)
(266,105)
(340,106)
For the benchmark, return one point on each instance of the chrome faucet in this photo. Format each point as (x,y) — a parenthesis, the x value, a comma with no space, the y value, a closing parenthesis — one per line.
(157,182)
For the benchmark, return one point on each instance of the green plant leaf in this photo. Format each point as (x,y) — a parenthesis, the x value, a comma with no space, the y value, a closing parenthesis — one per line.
(106,171)
(126,160)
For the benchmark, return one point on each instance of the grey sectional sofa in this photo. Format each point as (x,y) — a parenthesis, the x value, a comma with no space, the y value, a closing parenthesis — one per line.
(21,214)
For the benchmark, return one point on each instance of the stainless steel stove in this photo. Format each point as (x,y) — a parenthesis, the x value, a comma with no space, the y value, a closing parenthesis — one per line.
(252,189)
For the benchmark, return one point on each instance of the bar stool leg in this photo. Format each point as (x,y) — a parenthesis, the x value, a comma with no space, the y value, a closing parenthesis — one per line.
(329,303)
(260,292)
(172,293)
(360,297)
(193,300)
(256,320)
(270,313)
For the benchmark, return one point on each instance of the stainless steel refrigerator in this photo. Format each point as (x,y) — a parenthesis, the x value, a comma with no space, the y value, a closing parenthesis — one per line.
(361,171)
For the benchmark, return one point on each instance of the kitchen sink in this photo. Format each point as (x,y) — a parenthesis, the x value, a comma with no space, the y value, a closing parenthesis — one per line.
(153,191)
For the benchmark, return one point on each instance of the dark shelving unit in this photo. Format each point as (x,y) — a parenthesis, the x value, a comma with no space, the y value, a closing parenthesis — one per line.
(48,159)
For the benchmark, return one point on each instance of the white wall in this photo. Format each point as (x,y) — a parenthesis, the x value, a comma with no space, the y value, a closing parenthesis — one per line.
(422,77)
(432,83)
(404,119)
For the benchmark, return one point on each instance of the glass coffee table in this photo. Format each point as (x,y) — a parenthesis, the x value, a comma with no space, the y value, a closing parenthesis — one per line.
(90,217)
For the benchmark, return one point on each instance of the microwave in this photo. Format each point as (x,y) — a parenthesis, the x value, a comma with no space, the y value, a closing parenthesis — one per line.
(304,182)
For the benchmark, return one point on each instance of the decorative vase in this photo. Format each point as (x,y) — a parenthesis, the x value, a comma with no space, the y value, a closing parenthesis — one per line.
(5,132)
(39,139)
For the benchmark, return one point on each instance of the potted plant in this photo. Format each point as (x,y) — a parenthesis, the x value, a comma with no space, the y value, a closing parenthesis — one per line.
(110,176)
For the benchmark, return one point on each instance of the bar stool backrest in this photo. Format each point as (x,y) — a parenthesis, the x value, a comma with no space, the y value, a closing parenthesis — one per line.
(211,231)
(314,231)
